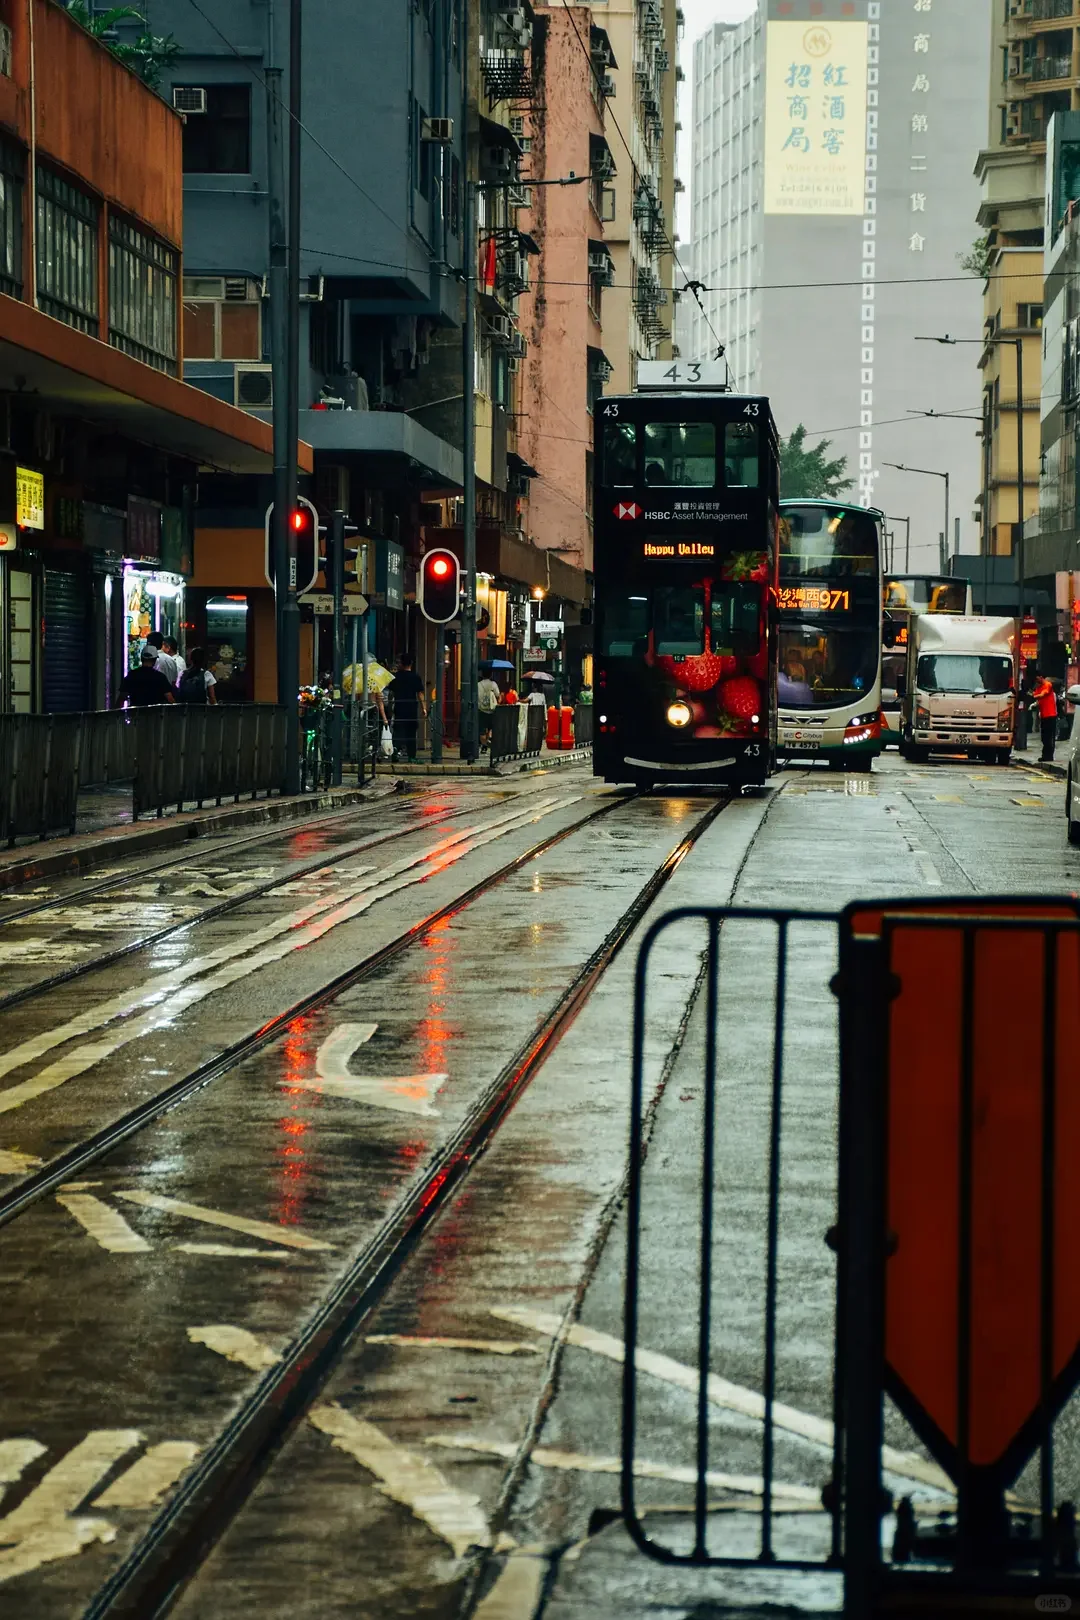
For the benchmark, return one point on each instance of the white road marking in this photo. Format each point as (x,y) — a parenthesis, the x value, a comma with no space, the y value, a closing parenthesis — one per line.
(15,1458)
(105,1225)
(217,1217)
(231,1251)
(733,1397)
(495,1347)
(14,1163)
(236,960)
(40,1529)
(581,1463)
(402,1093)
(455,1516)
(332,1058)
(148,1478)
(518,1589)
(235,1344)
(39,953)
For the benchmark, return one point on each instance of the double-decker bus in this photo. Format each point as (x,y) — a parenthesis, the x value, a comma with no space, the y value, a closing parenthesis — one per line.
(903,595)
(685,517)
(828,601)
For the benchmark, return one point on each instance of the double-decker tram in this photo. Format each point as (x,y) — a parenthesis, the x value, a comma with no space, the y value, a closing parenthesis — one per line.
(685,515)
(902,596)
(828,600)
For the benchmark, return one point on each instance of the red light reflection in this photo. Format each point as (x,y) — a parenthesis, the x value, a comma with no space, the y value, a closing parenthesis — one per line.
(291,1152)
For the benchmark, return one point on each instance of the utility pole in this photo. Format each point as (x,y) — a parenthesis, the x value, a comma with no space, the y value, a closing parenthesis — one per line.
(289,643)
(335,558)
(440,691)
(470,720)
(279,294)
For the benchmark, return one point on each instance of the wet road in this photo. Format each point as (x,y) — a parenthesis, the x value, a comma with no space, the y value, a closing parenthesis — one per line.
(455,1456)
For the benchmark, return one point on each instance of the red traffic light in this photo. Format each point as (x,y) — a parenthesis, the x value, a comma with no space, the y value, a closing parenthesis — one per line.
(300,520)
(303,535)
(440,587)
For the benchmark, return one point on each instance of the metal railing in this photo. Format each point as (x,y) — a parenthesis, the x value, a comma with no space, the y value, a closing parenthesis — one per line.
(1041,10)
(583,724)
(1051,67)
(517,731)
(171,754)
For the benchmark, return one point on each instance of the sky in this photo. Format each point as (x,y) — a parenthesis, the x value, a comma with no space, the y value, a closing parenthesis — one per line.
(700,15)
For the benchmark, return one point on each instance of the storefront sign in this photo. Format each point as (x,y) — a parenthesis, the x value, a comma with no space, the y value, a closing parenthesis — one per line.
(322,603)
(104,528)
(29,498)
(815,117)
(9,537)
(534,655)
(548,627)
(143,528)
(390,573)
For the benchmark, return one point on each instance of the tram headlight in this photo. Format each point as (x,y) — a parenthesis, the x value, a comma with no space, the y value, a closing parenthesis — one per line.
(678,714)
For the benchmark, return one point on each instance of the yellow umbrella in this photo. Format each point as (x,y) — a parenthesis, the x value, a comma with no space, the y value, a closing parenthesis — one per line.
(378,677)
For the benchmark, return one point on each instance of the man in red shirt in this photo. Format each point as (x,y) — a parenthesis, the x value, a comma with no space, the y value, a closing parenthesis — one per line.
(1046,698)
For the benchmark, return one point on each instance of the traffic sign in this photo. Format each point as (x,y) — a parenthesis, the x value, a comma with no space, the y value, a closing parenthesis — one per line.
(322,603)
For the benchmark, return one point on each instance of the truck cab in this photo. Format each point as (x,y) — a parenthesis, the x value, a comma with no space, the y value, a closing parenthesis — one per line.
(960,687)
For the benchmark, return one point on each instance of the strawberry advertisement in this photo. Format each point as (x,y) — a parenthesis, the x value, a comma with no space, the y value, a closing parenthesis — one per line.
(725,688)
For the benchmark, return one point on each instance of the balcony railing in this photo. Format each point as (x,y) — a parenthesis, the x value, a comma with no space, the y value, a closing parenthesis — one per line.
(1051,67)
(1042,10)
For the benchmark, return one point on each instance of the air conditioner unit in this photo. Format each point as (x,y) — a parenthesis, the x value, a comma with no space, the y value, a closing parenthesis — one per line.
(439,130)
(519,346)
(525,142)
(5,50)
(497,326)
(241,289)
(607,85)
(517,124)
(254,387)
(598,263)
(311,289)
(455,511)
(189,98)
(498,160)
(519,197)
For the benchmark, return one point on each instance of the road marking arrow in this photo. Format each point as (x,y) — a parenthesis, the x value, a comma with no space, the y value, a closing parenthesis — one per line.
(401,1093)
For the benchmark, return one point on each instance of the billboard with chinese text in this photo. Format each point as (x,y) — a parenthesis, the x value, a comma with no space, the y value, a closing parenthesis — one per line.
(815,117)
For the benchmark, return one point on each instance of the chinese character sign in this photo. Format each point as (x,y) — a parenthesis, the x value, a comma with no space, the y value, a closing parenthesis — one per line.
(815,117)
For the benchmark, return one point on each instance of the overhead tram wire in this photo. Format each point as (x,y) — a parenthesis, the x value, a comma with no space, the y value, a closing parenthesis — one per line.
(636,172)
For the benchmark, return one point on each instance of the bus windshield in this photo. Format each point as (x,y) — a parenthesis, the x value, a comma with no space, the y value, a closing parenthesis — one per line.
(927,595)
(822,542)
(677,620)
(965,672)
(822,667)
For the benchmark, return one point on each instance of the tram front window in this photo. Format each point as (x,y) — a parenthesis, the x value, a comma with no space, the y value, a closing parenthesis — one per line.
(825,668)
(818,542)
(625,626)
(677,620)
(680,455)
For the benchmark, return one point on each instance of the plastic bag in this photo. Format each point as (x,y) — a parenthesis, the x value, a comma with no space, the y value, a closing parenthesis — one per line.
(386,743)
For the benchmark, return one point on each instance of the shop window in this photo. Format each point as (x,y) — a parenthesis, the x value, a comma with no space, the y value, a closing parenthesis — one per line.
(218,141)
(67,252)
(142,296)
(12,169)
(220,328)
(227,650)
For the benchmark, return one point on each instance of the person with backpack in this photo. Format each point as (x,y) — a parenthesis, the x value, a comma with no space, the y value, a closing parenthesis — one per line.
(196,684)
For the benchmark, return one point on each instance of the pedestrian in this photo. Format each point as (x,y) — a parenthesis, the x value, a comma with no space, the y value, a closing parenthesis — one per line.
(488,695)
(407,691)
(142,687)
(164,661)
(534,694)
(171,649)
(1046,699)
(197,683)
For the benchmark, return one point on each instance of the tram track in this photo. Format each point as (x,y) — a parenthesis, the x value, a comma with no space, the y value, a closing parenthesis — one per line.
(95,1147)
(193,1521)
(324,862)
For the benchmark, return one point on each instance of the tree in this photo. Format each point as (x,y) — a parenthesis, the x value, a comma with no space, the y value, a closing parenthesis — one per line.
(976,261)
(145,55)
(806,475)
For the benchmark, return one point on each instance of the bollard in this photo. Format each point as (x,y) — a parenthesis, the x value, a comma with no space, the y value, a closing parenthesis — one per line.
(553,727)
(566,726)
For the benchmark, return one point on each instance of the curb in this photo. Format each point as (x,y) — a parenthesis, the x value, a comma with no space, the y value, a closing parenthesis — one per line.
(81,851)
(509,767)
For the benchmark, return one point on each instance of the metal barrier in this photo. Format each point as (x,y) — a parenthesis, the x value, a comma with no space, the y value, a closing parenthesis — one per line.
(909,1257)
(583,724)
(190,754)
(517,731)
(107,747)
(39,774)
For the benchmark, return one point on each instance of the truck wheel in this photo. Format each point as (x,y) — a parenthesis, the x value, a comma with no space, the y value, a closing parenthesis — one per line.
(1073,827)
(917,755)
(1000,756)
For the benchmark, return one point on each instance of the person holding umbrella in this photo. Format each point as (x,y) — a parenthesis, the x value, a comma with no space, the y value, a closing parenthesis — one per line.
(487,693)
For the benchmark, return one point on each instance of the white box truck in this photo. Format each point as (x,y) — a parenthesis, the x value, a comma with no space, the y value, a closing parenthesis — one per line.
(960,687)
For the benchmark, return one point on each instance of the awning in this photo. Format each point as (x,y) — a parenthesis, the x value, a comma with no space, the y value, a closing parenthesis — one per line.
(69,372)
(518,464)
(492,133)
(600,47)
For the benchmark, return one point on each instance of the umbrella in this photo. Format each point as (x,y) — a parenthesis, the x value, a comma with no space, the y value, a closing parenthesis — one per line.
(501,663)
(539,675)
(378,678)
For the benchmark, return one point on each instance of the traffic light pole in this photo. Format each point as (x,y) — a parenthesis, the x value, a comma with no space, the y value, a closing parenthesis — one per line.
(289,622)
(279,294)
(469,722)
(335,556)
(440,685)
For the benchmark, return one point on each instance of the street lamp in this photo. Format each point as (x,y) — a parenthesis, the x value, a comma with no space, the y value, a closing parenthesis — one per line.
(906,521)
(1018,344)
(929,472)
(470,703)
